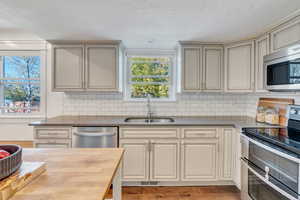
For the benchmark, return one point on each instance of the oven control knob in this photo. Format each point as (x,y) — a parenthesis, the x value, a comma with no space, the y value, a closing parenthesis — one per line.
(293,111)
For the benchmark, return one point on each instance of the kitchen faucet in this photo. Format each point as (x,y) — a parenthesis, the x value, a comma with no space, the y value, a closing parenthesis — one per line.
(149,112)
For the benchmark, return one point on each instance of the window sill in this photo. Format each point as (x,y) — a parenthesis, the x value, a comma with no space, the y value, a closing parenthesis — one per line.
(152,100)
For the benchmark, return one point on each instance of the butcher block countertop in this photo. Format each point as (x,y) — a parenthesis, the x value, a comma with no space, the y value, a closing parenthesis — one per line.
(235,121)
(81,174)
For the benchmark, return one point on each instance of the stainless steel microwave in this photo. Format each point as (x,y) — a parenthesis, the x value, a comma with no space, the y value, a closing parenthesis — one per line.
(282,70)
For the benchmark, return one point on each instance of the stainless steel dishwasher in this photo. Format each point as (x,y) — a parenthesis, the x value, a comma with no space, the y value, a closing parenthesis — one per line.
(94,137)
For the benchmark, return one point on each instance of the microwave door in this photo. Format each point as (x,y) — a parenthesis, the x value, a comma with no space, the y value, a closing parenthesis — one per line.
(278,74)
(283,75)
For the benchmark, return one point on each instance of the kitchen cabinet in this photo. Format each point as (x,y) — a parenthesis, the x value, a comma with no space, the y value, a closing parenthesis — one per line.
(199,160)
(227,149)
(67,70)
(239,67)
(202,68)
(262,48)
(151,154)
(212,68)
(85,67)
(101,68)
(285,35)
(48,143)
(164,160)
(52,137)
(136,160)
(192,69)
(178,154)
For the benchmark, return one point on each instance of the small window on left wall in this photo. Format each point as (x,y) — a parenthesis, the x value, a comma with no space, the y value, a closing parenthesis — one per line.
(20,82)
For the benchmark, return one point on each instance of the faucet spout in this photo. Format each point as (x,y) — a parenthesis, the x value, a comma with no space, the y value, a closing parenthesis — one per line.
(149,112)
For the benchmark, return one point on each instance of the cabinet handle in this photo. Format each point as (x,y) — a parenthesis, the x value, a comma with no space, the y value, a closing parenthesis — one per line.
(149,146)
(152,146)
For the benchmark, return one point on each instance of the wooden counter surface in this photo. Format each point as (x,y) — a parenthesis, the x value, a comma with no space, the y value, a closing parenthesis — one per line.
(72,174)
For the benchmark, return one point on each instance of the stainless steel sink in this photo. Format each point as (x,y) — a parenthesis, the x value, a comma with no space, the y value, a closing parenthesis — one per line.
(151,120)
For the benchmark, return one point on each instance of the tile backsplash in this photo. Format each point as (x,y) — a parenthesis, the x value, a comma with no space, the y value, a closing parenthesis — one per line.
(192,104)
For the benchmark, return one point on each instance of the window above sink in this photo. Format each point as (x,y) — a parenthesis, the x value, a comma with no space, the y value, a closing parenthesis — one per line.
(150,73)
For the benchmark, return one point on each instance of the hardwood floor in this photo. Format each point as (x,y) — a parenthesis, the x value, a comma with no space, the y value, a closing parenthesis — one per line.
(24,144)
(181,193)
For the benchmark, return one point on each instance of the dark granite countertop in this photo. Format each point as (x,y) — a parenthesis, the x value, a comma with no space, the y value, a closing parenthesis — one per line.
(235,121)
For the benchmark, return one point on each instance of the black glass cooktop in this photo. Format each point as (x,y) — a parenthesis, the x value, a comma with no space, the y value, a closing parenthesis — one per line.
(287,138)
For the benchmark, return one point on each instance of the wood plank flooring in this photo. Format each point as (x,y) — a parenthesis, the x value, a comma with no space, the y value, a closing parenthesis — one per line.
(24,144)
(181,193)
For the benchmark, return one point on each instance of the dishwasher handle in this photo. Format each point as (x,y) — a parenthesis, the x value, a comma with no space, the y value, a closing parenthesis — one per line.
(94,134)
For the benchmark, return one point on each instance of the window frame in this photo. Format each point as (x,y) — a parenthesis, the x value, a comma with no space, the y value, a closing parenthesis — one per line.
(150,53)
(42,80)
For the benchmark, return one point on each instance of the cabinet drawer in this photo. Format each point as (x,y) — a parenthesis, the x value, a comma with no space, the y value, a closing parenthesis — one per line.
(199,133)
(149,133)
(52,133)
(52,143)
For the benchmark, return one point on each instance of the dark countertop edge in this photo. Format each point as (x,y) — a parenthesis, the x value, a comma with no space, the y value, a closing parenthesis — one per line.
(118,121)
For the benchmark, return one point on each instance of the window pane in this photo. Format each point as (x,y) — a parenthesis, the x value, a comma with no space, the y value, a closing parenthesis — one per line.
(24,67)
(156,91)
(21,98)
(157,80)
(149,66)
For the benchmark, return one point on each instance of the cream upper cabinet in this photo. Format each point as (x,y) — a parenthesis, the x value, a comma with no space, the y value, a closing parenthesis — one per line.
(285,35)
(262,48)
(212,68)
(226,158)
(191,69)
(85,67)
(239,67)
(136,160)
(164,159)
(202,68)
(199,160)
(67,67)
(101,67)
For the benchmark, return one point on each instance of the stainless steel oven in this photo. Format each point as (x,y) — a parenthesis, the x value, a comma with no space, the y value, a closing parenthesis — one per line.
(268,172)
(282,69)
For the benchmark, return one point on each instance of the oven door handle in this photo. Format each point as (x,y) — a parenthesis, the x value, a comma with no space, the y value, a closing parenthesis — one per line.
(284,193)
(273,150)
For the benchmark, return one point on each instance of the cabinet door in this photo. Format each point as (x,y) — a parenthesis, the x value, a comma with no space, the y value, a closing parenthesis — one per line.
(199,160)
(285,36)
(67,67)
(101,68)
(261,49)
(226,154)
(136,160)
(164,159)
(191,69)
(239,67)
(212,68)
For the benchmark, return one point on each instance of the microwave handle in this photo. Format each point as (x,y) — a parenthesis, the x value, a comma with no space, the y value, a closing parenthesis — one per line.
(266,180)
(275,151)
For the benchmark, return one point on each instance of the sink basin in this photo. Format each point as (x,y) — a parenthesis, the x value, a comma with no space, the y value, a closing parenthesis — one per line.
(152,120)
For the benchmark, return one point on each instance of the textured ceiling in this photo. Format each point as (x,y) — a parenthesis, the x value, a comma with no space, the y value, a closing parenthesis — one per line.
(144,23)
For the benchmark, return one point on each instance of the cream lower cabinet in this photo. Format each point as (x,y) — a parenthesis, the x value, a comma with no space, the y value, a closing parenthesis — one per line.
(226,159)
(164,160)
(150,160)
(199,160)
(52,137)
(136,160)
(182,155)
